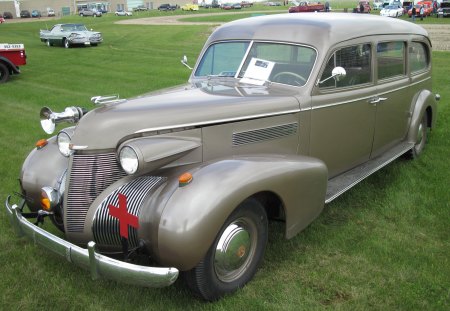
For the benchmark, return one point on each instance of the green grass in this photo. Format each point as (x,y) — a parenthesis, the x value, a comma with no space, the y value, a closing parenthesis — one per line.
(384,245)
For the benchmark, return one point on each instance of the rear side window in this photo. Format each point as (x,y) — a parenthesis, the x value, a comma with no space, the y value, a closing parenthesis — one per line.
(419,58)
(391,59)
(355,60)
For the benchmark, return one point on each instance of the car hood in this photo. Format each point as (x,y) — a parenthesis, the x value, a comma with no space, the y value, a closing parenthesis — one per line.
(108,125)
(85,33)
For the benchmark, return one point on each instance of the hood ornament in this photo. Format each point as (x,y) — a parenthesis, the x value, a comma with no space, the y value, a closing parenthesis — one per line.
(108,99)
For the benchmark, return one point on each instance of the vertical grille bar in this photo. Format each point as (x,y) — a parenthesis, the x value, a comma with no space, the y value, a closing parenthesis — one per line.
(106,228)
(89,176)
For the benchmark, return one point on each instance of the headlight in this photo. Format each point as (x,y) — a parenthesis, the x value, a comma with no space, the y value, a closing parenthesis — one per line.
(129,160)
(64,140)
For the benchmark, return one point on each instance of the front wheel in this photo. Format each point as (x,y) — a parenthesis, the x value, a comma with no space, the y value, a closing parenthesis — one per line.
(235,255)
(66,43)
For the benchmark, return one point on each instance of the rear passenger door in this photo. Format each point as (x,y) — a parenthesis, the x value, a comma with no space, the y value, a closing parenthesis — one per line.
(393,101)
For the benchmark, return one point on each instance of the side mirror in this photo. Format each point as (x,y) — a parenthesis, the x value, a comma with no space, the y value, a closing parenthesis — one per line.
(338,73)
(184,62)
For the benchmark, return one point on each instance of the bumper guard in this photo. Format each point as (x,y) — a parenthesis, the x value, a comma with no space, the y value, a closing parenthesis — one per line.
(99,265)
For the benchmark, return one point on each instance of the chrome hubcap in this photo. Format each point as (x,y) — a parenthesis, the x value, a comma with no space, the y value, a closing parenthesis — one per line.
(420,134)
(234,250)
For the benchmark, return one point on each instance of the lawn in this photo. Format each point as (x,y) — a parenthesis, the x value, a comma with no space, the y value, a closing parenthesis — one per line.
(384,245)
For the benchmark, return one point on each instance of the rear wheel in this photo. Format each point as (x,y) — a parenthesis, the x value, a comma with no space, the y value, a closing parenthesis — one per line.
(235,255)
(422,132)
(4,73)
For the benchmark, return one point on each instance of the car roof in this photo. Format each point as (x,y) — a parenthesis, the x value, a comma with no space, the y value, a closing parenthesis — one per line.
(316,29)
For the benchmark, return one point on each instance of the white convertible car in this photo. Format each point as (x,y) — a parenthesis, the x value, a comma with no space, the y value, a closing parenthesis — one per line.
(392,11)
(69,35)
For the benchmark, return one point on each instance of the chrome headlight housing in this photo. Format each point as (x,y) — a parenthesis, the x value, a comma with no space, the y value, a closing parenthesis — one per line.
(64,139)
(129,160)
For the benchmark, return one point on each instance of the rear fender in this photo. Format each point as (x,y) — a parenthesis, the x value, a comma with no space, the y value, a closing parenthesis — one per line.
(12,68)
(425,103)
(193,215)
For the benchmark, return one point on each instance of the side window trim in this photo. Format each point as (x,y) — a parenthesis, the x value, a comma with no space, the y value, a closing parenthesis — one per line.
(363,49)
(404,58)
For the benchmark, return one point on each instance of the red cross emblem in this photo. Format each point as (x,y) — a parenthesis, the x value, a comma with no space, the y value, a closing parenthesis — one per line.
(125,219)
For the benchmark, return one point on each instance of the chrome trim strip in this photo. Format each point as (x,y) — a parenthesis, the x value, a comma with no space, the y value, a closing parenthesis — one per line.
(88,259)
(368,97)
(263,115)
(344,102)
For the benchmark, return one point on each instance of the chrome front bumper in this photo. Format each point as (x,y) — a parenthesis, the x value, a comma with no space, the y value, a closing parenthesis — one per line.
(99,265)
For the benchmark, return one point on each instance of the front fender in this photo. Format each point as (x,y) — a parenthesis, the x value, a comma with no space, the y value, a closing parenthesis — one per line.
(194,214)
(425,102)
(42,167)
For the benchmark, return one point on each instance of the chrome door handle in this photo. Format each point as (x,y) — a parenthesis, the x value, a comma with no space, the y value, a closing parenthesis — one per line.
(376,100)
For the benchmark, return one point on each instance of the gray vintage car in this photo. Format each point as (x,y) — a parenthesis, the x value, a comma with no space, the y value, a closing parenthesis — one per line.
(68,35)
(275,122)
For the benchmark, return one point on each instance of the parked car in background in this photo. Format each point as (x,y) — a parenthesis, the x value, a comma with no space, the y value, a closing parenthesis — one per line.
(306,6)
(226,6)
(7,15)
(365,5)
(281,115)
(2,20)
(140,8)
(25,14)
(90,12)
(246,4)
(11,57)
(68,35)
(36,13)
(167,7)
(377,5)
(428,9)
(189,7)
(444,10)
(50,12)
(391,11)
(123,13)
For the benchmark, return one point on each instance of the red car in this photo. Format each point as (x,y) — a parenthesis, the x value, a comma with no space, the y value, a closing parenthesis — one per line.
(428,8)
(306,6)
(2,20)
(365,5)
(11,57)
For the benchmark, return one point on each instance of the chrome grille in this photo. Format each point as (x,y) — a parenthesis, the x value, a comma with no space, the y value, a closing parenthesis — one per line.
(259,135)
(106,228)
(89,176)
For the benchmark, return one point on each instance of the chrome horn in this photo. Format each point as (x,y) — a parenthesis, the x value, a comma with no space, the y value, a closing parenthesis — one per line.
(49,119)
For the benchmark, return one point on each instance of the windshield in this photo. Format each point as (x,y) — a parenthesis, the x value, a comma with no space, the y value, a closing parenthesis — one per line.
(258,62)
(73,27)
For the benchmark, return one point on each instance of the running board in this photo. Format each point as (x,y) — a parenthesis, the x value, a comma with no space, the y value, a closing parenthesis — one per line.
(341,183)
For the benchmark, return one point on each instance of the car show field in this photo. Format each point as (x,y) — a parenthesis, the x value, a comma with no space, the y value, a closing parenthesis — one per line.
(386,244)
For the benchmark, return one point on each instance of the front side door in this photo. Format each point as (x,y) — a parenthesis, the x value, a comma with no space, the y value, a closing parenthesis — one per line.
(342,118)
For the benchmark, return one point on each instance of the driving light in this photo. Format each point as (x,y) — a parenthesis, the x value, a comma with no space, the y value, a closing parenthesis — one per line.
(64,140)
(129,160)
(49,198)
